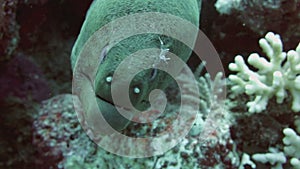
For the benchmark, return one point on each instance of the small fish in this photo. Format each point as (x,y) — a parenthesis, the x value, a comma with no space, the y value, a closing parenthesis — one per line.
(100,13)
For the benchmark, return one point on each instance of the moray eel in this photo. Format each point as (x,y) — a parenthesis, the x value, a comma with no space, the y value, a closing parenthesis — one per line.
(102,12)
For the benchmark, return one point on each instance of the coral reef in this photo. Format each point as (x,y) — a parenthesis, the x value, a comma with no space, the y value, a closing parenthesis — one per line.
(33,2)
(282,16)
(23,86)
(273,78)
(35,42)
(275,75)
(258,131)
(23,79)
(226,7)
(208,144)
(276,159)
(16,149)
(58,133)
(9,35)
(291,151)
(291,141)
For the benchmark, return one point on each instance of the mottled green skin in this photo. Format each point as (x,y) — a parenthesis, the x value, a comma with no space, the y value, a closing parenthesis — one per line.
(102,12)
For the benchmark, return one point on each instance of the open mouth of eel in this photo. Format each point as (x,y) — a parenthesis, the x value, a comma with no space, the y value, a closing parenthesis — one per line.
(113,104)
(118,117)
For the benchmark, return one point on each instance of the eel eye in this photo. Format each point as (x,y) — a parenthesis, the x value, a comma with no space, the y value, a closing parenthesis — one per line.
(136,90)
(153,74)
(103,54)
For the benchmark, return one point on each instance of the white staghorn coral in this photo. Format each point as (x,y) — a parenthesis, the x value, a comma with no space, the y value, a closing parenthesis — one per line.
(276,159)
(291,151)
(276,74)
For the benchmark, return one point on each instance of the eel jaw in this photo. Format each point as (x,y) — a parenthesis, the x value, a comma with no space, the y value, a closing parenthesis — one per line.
(112,115)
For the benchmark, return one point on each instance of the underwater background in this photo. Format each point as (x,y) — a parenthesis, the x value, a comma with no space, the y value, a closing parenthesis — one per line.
(256,126)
